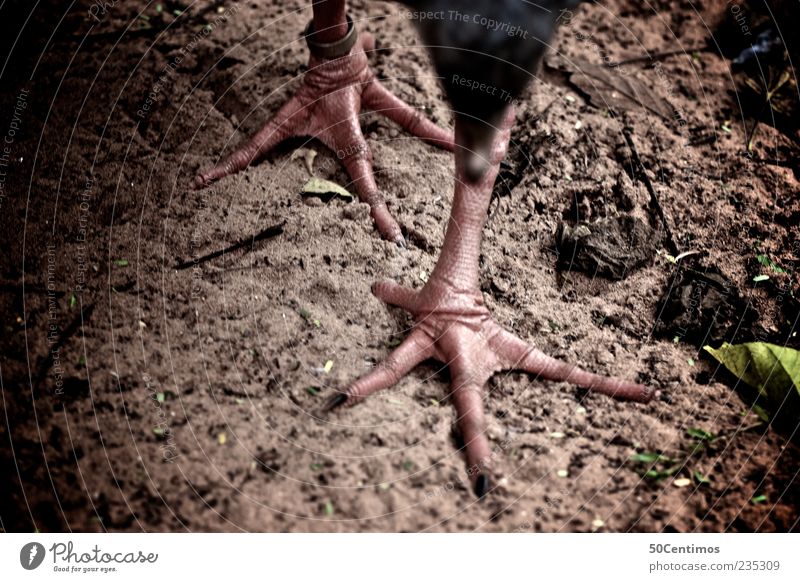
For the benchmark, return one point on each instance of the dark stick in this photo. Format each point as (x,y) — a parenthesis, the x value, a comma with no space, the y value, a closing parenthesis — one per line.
(637,161)
(660,56)
(267,233)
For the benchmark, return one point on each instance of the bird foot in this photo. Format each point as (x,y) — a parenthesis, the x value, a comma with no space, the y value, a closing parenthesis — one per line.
(327,107)
(454,326)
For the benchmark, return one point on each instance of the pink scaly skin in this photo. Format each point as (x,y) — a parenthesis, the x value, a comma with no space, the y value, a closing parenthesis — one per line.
(453,325)
(327,107)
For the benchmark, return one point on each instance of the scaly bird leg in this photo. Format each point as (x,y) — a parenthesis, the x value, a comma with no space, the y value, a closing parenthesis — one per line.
(453,325)
(327,106)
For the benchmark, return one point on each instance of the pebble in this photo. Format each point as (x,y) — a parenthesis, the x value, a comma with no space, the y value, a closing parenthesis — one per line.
(605,356)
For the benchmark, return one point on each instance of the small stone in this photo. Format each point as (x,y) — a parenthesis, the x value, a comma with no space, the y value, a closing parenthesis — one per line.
(495,432)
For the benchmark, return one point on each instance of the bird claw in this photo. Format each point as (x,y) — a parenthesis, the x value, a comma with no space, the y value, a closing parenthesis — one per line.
(327,107)
(482,486)
(454,326)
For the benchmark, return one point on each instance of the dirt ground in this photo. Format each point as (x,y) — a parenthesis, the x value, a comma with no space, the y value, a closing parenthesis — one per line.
(138,395)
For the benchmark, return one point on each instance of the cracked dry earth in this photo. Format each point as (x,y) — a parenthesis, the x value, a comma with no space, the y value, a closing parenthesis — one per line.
(172,399)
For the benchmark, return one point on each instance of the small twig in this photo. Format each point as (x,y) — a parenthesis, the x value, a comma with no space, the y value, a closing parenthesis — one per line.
(685,254)
(661,56)
(637,161)
(267,233)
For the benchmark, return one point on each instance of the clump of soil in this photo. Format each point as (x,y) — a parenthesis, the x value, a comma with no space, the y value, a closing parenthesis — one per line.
(702,306)
(609,247)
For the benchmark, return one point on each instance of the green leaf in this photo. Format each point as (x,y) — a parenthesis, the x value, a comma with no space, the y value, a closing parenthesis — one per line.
(700,478)
(161,397)
(328,508)
(761,413)
(758,499)
(767,262)
(648,458)
(313,390)
(759,278)
(121,262)
(306,314)
(700,434)
(655,474)
(72,300)
(320,187)
(772,370)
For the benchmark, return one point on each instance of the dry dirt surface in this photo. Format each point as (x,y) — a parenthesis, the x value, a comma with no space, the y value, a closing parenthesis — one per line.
(148,386)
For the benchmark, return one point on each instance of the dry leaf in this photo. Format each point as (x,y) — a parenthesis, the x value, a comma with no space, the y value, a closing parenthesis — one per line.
(607,88)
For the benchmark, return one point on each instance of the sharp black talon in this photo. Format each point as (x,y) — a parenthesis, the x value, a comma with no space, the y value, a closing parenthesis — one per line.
(482,485)
(334,402)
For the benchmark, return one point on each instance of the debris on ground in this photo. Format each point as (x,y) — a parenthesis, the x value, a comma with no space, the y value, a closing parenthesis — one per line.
(609,247)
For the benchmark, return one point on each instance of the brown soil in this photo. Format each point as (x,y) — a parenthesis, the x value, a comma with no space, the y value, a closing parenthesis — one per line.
(236,346)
